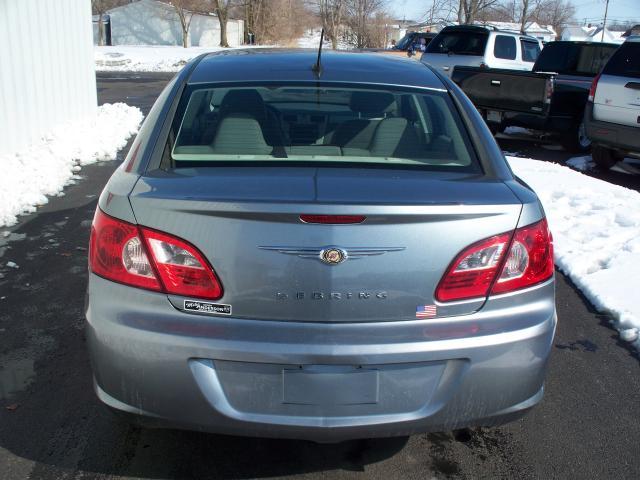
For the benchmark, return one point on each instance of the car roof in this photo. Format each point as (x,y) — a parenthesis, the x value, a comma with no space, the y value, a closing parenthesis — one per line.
(485,29)
(278,65)
(585,42)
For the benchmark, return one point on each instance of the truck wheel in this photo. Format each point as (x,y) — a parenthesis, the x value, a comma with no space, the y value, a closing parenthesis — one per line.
(604,157)
(496,128)
(576,140)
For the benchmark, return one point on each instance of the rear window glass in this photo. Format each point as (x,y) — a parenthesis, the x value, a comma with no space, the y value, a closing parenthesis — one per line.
(319,124)
(459,43)
(625,62)
(574,59)
(505,47)
(530,50)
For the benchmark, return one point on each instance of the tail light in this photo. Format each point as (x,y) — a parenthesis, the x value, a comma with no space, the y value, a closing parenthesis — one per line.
(145,258)
(594,86)
(500,264)
(548,90)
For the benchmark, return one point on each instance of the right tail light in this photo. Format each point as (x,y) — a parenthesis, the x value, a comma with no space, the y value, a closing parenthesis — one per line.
(500,264)
(594,86)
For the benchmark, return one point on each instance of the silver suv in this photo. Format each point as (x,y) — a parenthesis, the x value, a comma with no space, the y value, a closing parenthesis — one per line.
(612,116)
(481,46)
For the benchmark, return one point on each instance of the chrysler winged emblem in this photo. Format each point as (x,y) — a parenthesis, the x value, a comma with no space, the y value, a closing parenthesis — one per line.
(332,255)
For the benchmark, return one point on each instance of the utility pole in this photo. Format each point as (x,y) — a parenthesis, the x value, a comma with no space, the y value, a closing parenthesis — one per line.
(604,24)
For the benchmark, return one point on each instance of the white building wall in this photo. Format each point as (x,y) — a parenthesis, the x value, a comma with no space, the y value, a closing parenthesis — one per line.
(47,72)
(148,22)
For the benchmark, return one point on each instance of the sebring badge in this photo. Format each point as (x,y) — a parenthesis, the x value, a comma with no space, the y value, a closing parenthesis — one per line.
(332,255)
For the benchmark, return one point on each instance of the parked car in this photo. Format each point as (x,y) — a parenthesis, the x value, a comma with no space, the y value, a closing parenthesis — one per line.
(413,43)
(551,99)
(486,47)
(318,254)
(612,116)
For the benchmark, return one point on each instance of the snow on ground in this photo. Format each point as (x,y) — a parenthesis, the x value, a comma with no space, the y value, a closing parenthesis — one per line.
(581,163)
(143,58)
(311,39)
(150,58)
(46,167)
(596,230)
(629,166)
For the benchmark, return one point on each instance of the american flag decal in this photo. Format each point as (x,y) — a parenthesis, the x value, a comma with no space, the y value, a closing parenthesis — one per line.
(426,311)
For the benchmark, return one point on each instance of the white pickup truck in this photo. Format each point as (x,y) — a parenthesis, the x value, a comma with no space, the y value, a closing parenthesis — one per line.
(481,46)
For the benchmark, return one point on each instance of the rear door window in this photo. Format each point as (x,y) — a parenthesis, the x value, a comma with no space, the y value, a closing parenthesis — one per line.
(592,58)
(530,50)
(318,124)
(573,58)
(625,62)
(505,47)
(459,43)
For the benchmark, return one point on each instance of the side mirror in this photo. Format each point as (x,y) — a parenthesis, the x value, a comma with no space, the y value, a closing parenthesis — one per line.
(410,53)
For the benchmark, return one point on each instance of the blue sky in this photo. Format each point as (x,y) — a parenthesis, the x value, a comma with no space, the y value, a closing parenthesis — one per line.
(592,10)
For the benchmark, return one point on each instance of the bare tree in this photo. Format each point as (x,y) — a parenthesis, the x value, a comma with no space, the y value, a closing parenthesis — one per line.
(556,13)
(185,10)
(360,19)
(221,9)
(469,11)
(279,22)
(100,8)
(331,13)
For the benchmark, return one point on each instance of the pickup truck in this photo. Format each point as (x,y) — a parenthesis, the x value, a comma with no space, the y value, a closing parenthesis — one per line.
(551,98)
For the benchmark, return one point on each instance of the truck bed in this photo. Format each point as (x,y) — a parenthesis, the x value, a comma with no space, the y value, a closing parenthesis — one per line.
(504,90)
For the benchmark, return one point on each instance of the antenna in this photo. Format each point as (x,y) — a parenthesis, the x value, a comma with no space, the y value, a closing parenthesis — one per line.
(317,68)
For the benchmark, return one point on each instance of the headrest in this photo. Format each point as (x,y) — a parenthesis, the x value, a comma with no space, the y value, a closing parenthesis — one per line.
(243,101)
(240,135)
(369,103)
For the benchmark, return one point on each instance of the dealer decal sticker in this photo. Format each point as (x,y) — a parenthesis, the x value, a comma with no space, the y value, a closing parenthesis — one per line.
(205,307)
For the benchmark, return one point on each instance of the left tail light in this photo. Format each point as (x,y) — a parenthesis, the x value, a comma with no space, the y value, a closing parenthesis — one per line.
(145,258)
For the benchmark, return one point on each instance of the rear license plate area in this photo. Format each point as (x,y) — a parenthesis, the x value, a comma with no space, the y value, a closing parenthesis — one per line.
(327,385)
(494,116)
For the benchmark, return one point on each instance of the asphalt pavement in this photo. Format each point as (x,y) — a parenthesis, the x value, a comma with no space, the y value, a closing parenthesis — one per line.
(52,426)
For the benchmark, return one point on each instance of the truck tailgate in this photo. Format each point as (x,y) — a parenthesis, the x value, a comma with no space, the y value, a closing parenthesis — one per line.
(499,89)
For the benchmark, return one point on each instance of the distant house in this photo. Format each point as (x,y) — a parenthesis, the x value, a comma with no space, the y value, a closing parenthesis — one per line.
(591,33)
(151,22)
(544,33)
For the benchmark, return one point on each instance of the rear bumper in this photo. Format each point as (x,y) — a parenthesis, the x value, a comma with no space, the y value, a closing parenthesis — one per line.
(323,382)
(623,138)
(557,124)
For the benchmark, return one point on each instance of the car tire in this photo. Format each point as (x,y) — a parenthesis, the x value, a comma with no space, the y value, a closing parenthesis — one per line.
(576,140)
(603,157)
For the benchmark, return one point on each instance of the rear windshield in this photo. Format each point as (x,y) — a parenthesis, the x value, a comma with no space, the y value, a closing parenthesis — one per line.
(459,43)
(312,124)
(625,62)
(574,59)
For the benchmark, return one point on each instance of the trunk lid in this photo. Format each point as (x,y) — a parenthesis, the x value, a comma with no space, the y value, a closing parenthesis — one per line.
(246,222)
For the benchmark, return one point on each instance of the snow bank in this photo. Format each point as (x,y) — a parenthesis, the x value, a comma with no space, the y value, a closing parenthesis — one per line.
(149,58)
(46,167)
(143,58)
(596,230)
